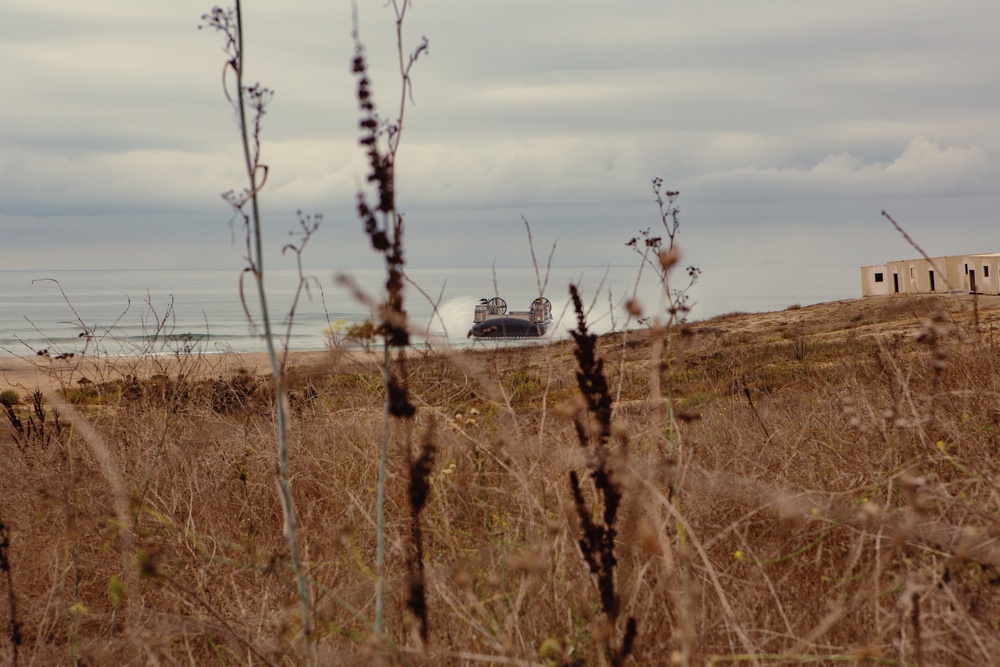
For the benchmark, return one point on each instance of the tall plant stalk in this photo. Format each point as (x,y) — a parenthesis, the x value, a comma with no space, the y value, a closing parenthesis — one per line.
(661,255)
(384,225)
(256,96)
(380,498)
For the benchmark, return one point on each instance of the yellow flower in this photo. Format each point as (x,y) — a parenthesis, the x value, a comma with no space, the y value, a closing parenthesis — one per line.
(738,555)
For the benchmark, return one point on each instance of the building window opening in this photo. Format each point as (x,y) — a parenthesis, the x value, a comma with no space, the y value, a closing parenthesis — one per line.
(911,273)
(932,280)
(986,271)
(878,277)
(966,269)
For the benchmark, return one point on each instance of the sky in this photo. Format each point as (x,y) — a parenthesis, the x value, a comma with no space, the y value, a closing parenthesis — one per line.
(787,127)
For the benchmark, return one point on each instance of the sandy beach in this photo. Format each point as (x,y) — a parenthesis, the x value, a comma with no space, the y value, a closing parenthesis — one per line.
(29,373)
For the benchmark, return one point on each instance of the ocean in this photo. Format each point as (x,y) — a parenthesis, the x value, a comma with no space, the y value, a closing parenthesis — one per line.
(122,312)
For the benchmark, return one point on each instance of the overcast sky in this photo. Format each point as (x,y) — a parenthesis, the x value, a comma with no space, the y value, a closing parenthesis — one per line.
(787,126)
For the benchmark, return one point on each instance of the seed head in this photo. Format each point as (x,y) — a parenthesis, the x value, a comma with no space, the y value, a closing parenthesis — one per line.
(669,257)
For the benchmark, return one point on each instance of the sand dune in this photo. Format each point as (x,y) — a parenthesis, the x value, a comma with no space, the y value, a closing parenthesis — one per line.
(30,373)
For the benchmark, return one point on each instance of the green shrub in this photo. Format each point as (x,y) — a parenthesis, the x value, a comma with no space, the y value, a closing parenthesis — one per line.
(9,397)
(523,386)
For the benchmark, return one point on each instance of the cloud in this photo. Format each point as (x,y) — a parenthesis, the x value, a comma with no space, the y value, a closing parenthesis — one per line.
(41,184)
(733,150)
(923,169)
(761,114)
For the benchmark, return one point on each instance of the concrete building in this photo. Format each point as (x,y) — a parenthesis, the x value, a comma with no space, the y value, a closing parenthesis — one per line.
(980,272)
(873,282)
(953,273)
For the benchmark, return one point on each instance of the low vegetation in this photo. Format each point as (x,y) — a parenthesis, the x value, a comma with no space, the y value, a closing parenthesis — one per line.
(817,485)
(821,487)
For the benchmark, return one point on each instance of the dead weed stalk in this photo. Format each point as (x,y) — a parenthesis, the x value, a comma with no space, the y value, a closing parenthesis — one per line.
(593,428)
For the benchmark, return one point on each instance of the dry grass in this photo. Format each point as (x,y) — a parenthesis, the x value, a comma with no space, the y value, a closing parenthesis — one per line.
(850,514)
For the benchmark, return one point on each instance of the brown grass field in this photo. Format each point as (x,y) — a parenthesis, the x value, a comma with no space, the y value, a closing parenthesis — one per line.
(819,485)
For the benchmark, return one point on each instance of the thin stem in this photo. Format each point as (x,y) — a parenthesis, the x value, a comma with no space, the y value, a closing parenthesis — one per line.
(75,551)
(257,265)
(380,496)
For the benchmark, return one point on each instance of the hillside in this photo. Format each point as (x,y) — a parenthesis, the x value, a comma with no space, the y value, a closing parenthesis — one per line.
(813,485)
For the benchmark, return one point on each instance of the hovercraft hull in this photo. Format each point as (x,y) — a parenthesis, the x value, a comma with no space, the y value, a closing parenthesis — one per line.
(508,327)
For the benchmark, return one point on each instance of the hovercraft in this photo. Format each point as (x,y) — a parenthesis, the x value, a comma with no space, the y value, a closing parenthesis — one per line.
(492,320)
